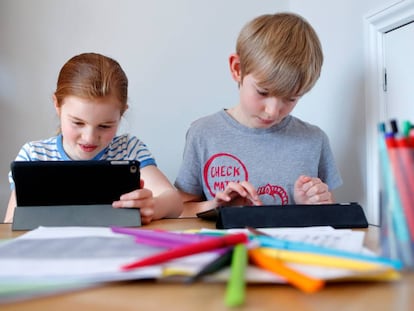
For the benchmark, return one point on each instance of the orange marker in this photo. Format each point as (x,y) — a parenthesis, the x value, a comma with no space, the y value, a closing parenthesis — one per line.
(297,279)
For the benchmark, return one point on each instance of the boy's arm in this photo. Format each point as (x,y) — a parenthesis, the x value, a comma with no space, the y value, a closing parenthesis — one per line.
(194,204)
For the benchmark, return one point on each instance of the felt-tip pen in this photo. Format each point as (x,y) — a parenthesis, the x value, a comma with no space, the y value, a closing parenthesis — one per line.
(189,249)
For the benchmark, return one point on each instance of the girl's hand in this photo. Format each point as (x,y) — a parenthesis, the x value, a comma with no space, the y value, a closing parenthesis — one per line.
(140,198)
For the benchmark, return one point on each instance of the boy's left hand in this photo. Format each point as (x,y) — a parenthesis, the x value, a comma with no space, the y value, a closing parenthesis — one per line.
(311,190)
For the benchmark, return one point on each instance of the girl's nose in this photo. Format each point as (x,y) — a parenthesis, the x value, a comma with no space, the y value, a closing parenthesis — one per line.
(89,135)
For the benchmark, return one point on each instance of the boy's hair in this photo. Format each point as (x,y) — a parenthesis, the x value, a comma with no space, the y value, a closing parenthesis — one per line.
(92,75)
(283,53)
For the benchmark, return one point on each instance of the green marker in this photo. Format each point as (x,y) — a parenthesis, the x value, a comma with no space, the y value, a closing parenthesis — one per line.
(406,125)
(236,285)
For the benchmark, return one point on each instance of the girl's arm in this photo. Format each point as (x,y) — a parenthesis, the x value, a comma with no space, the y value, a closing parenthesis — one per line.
(10,208)
(156,199)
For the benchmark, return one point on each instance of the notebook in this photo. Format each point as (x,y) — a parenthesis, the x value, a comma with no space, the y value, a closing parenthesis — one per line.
(339,215)
(73,193)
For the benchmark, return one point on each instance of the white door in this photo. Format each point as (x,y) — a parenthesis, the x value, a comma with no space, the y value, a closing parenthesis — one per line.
(399,68)
(390,44)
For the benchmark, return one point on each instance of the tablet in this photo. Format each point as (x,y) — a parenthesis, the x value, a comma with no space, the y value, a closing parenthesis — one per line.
(337,215)
(46,183)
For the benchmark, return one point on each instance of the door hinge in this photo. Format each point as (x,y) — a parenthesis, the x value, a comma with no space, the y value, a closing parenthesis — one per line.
(384,82)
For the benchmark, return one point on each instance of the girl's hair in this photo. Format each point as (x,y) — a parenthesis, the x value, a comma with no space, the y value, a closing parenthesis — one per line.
(283,53)
(92,75)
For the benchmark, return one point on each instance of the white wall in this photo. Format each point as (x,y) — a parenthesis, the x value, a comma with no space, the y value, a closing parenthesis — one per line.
(337,102)
(175,55)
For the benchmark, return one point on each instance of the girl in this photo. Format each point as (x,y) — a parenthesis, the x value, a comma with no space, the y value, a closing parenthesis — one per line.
(90,99)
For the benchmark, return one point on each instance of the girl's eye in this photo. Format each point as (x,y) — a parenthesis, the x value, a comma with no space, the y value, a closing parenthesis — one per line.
(77,123)
(105,126)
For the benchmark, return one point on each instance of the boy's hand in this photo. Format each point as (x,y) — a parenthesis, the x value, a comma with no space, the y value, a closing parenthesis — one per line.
(309,190)
(242,193)
(140,198)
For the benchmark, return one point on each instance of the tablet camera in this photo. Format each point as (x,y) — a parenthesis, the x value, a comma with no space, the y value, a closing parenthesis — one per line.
(133,169)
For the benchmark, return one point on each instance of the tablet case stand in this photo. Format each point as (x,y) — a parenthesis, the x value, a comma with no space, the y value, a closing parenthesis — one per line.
(31,217)
(339,216)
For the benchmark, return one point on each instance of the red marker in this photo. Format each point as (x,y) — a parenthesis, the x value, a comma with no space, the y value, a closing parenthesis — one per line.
(189,249)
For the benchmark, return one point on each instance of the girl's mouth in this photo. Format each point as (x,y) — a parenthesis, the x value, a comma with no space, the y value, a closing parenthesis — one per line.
(88,148)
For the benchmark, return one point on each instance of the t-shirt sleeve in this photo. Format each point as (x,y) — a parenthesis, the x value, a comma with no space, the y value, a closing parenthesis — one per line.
(23,155)
(189,178)
(328,170)
(138,150)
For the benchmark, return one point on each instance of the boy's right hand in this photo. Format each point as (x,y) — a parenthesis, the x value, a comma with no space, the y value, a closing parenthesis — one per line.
(242,193)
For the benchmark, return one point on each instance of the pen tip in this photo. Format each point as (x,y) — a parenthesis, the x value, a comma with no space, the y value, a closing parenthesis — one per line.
(394,126)
(381,127)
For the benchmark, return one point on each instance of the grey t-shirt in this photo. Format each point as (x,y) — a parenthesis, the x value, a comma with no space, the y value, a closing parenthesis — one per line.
(219,150)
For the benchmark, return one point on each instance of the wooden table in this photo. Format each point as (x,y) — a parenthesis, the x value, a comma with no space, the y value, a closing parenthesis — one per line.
(149,295)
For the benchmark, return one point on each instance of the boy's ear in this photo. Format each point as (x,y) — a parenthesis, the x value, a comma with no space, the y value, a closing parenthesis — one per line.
(234,62)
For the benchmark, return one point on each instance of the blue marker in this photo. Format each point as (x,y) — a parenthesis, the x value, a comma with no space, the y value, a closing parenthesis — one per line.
(272,242)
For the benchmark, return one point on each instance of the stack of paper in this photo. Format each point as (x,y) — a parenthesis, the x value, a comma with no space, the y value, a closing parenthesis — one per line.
(49,259)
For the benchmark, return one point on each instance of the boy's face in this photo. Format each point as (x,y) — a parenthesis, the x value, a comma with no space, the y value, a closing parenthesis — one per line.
(88,126)
(257,109)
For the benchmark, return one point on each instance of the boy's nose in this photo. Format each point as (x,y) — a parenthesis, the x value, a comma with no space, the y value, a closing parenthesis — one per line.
(272,107)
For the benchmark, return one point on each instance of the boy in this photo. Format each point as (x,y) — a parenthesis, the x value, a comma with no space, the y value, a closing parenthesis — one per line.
(255,152)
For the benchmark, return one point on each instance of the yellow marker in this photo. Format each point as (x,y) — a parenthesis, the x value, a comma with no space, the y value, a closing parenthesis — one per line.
(387,275)
(320,259)
(171,271)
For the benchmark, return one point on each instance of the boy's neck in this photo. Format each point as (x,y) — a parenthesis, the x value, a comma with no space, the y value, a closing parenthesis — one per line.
(235,114)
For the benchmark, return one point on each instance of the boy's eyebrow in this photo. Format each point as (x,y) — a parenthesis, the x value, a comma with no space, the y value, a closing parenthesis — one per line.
(257,85)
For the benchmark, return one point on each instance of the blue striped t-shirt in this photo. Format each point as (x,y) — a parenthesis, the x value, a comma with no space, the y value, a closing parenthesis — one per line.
(123,147)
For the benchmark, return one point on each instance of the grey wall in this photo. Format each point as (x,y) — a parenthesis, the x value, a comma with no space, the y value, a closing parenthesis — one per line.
(175,54)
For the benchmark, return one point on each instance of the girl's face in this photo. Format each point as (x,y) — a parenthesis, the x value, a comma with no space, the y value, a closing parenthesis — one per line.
(88,126)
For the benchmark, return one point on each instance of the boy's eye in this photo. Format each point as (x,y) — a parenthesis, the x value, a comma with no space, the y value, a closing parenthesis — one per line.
(262,93)
(77,123)
(105,126)
(291,100)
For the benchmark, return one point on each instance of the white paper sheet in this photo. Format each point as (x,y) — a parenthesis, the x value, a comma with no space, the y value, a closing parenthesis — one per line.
(86,256)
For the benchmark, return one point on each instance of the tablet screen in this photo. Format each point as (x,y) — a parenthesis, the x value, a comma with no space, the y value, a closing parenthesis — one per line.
(73,182)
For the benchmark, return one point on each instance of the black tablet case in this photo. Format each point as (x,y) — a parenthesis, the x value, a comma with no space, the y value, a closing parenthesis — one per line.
(73,193)
(339,216)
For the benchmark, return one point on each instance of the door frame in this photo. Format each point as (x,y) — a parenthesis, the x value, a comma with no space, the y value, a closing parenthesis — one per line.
(376,24)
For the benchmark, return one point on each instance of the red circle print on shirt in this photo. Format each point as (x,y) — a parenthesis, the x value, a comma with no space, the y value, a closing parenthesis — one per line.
(221,169)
